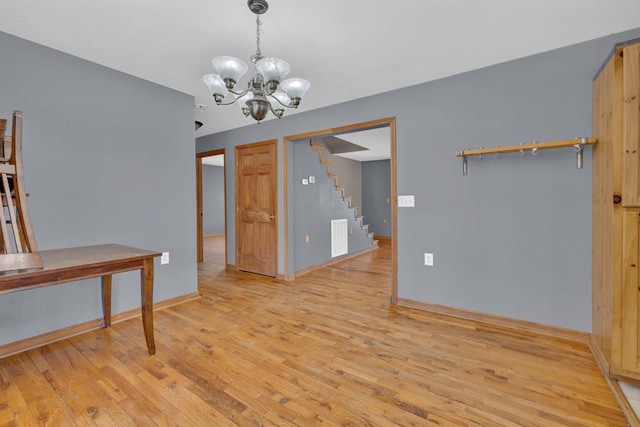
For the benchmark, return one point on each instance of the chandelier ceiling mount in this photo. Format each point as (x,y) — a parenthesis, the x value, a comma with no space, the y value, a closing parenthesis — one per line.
(258,6)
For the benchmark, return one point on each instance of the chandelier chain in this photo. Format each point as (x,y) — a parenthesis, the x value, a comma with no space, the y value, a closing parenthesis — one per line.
(258,24)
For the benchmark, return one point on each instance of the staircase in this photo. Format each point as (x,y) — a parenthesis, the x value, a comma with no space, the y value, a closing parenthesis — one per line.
(342,190)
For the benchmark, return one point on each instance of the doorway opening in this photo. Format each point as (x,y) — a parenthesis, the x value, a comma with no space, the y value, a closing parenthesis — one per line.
(211,207)
(359,135)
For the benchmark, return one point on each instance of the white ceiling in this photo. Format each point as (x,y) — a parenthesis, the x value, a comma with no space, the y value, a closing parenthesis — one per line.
(376,141)
(347,49)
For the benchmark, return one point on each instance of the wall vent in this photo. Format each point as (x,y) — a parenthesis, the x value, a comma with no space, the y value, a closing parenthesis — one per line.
(339,237)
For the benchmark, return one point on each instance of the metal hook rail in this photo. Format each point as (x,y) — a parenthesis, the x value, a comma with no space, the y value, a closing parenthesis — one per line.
(578,143)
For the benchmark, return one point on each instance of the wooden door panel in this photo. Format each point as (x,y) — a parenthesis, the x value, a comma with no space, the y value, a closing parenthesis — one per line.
(262,247)
(629,312)
(263,160)
(256,170)
(630,293)
(246,160)
(247,239)
(248,191)
(263,193)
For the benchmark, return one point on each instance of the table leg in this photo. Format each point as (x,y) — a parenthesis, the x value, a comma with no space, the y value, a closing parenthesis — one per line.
(106,300)
(146,286)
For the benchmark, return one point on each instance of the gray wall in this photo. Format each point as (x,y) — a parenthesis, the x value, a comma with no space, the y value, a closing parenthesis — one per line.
(313,208)
(107,158)
(212,199)
(376,190)
(513,238)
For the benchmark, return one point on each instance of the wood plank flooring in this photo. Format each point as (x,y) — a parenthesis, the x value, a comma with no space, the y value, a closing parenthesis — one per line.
(325,349)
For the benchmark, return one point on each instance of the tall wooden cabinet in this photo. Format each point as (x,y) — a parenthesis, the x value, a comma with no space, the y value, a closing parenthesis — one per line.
(616,214)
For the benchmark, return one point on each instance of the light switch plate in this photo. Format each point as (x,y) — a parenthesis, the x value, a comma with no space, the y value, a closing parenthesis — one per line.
(305,181)
(164,258)
(312,180)
(406,201)
(428,259)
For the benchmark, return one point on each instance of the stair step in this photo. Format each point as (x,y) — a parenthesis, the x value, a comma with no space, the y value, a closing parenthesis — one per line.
(334,176)
(340,188)
(375,243)
(359,219)
(317,148)
(326,163)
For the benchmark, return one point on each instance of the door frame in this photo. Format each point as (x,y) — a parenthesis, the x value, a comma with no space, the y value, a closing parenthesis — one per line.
(199,220)
(373,124)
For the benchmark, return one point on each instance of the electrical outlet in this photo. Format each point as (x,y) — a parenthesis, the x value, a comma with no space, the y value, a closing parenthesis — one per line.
(164,259)
(428,259)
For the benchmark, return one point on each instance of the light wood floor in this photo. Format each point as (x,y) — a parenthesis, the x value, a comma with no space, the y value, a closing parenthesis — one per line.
(323,350)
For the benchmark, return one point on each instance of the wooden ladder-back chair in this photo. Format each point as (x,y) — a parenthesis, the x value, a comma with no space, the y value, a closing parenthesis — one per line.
(18,248)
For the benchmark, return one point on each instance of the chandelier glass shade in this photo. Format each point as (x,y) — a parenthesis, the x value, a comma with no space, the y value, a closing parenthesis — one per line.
(268,89)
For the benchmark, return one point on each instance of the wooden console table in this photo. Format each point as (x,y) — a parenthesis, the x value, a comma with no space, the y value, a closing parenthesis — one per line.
(73,264)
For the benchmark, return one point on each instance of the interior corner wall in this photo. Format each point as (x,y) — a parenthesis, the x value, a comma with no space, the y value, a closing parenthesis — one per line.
(108,158)
(376,195)
(513,237)
(212,199)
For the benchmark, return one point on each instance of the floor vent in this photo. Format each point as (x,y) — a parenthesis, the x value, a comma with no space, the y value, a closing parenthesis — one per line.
(339,237)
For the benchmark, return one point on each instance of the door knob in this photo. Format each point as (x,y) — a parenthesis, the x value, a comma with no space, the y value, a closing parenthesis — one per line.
(272,216)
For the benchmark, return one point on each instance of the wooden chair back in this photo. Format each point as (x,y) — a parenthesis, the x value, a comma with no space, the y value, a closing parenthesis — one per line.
(18,248)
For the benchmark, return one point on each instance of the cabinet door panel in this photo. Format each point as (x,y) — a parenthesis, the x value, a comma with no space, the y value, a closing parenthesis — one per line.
(631,125)
(630,293)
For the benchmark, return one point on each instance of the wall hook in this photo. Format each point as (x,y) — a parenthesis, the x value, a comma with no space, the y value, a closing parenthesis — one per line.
(534,150)
(580,152)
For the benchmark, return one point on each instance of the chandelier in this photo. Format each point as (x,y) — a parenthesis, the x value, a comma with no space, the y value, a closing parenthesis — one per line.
(262,94)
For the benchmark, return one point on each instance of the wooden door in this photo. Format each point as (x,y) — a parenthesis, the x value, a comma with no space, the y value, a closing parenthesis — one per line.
(256,194)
